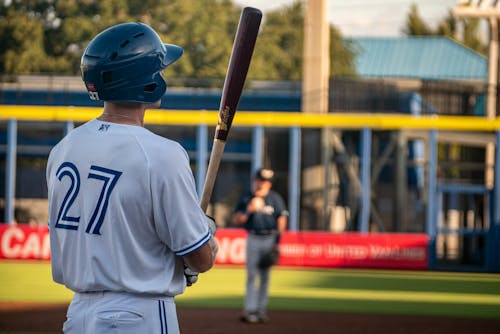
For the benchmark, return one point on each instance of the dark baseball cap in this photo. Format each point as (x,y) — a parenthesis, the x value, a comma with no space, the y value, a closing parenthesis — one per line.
(264,174)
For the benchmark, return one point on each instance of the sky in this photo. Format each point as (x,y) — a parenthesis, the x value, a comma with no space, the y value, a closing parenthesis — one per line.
(369,17)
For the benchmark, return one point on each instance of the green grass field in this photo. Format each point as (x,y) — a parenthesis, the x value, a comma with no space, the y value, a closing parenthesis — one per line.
(339,290)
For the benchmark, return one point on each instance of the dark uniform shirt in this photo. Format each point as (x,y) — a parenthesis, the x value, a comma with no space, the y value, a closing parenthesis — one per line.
(265,221)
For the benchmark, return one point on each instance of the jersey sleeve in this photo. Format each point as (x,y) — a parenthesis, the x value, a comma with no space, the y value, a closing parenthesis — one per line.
(179,220)
(281,209)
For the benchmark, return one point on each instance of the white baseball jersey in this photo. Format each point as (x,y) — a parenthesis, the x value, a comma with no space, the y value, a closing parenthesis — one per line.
(122,210)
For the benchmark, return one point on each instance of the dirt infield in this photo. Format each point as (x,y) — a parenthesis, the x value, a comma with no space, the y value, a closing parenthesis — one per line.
(49,318)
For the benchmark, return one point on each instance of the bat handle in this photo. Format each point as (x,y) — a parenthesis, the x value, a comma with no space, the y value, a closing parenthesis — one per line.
(213,167)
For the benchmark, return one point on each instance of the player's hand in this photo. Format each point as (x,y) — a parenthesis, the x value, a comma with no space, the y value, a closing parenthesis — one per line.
(256,204)
(191,276)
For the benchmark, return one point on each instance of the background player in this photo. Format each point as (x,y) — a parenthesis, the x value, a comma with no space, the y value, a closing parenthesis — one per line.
(124,216)
(263,214)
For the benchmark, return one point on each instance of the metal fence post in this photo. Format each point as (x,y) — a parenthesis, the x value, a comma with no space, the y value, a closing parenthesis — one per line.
(201,156)
(10,171)
(68,126)
(364,215)
(257,147)
(432,214)
(294,179)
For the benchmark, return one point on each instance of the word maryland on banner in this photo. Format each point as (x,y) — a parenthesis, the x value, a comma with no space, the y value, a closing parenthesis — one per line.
(297,249)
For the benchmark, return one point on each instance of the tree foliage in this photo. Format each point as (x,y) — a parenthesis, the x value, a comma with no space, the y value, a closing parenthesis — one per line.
(278,51)
(450,26)
(49,36)
(415,25)
(342,55)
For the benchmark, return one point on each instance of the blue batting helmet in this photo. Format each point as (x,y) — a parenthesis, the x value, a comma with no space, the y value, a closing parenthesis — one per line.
(124,63)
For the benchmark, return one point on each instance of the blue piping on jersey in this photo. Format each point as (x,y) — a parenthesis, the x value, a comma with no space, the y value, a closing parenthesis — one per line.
(194,247)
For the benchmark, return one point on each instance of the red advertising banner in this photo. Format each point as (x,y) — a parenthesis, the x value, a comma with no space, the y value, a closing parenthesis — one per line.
(302,249)
(355,250)
(22,242)
(322,249)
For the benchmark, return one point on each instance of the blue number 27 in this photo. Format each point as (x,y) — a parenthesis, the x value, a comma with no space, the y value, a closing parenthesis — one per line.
(108,177)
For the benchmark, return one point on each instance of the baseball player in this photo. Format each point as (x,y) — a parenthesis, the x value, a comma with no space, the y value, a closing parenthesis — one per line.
(124,216)
(263,214)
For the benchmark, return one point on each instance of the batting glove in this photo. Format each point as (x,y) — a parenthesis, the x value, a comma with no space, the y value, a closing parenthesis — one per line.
(191,276)
(212,226)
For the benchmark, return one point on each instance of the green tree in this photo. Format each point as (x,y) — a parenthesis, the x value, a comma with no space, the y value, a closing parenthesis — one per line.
(471,33)
(49,36)
(415,25)
(278,52)
(206,33)
(279,49)
(448,26)
(21,40)
(342,55)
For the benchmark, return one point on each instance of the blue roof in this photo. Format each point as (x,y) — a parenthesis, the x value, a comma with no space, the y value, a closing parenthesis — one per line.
(422,57)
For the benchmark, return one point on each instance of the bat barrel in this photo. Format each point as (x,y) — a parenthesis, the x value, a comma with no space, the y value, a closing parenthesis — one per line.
(241,54)
(239,63)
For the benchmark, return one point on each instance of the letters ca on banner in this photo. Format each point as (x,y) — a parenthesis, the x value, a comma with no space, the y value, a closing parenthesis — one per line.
(24,242)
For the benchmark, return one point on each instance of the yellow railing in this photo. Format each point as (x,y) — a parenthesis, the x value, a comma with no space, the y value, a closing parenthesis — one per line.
(266,119)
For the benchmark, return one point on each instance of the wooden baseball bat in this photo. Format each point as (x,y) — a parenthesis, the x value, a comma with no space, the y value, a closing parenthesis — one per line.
(243,45)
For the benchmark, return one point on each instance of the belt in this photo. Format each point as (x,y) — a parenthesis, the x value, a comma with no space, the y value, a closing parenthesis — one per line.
(262,232)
